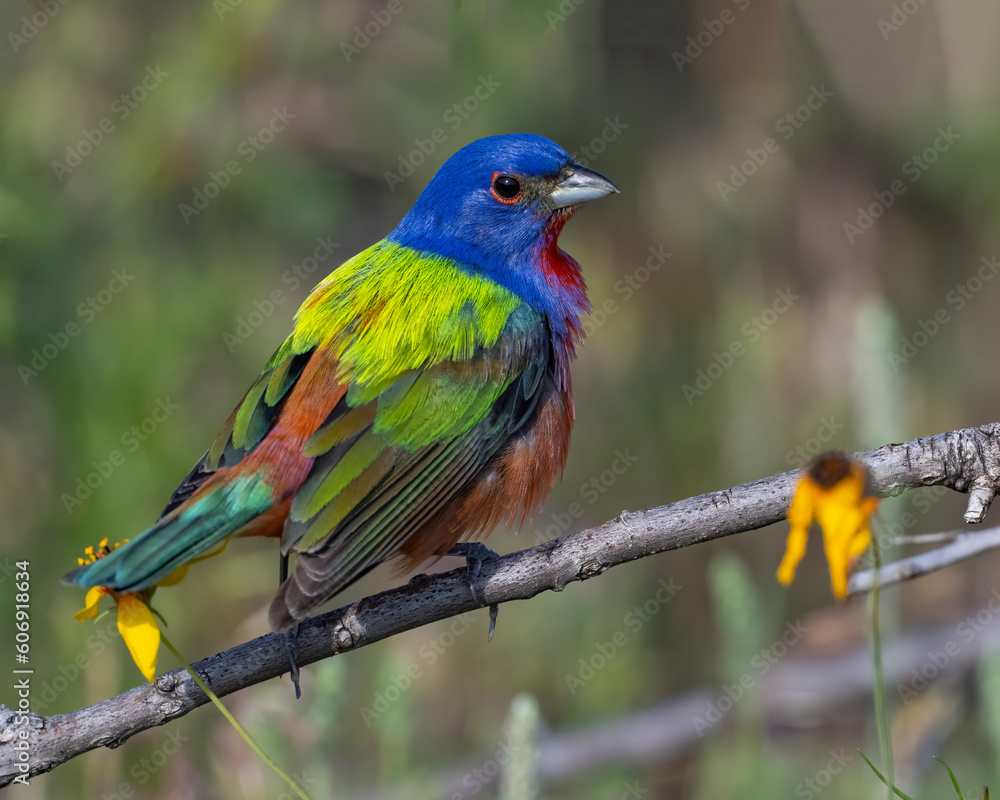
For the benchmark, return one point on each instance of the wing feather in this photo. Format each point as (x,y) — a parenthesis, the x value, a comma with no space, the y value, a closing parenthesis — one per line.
(247,425)
(439,429)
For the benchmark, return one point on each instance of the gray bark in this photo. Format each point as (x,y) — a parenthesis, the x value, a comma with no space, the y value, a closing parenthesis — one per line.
(965,460)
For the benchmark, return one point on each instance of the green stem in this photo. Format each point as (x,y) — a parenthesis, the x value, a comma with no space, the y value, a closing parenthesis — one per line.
(881,715)
(232,721)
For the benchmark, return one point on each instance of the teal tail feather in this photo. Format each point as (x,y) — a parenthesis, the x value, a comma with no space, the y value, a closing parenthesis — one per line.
(185,533)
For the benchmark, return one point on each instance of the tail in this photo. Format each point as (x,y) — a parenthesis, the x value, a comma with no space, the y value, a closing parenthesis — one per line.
(186,532)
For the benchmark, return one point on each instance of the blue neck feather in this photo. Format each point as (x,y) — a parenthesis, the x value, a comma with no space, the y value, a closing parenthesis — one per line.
(457,216)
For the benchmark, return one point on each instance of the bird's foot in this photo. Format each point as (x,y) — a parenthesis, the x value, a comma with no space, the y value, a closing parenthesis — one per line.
(475,553)
(290,635)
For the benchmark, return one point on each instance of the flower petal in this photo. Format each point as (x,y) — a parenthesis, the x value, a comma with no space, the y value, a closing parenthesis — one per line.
(180,573)
(838,562)
(835,491)
(89,609)
(213,554)
(141,633)
(800,514)
(795,548)
(174,577)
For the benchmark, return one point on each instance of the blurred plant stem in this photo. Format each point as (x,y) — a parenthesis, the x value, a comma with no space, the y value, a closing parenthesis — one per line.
(989,692)
(232,721)
(878,685)
(519,778)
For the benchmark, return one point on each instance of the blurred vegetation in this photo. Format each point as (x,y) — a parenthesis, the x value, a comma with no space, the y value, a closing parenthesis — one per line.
(115,114)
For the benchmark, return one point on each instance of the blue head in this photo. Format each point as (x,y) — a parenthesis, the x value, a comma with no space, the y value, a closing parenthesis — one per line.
(496,205)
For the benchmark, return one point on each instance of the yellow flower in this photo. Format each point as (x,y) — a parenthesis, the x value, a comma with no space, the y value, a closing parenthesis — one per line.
(136,622)
(836,491)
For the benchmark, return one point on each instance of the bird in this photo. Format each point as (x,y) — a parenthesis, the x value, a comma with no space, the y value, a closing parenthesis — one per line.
(422,398)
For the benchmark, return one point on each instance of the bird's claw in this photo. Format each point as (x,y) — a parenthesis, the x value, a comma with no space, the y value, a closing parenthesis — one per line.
(291,633)
(290,636)
(475,553)
(494,610)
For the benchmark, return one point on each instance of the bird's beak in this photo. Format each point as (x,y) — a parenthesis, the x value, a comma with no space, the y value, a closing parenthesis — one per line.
(579,186)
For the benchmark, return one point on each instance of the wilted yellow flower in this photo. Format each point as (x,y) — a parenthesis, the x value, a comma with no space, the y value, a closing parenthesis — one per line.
(835,490)
(136,622)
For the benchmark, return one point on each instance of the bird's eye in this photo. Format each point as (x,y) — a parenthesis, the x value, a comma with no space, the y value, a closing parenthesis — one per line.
(506,188)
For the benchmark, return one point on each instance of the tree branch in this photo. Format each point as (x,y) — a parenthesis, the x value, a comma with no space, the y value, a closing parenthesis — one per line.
(961,460)
(964,545)
(794,697)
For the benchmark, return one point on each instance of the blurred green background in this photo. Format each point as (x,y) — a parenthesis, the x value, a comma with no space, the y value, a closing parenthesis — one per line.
(826,180)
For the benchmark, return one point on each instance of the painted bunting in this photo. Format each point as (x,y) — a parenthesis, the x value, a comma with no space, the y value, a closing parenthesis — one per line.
(423,396)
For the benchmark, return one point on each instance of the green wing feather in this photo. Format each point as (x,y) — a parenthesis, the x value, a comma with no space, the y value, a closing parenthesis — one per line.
(249,423)
(396,460)
(441,367)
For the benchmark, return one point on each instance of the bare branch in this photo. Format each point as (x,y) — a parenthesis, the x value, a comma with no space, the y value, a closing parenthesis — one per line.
(796,695)
(959,460)
(927,538)
(965,545)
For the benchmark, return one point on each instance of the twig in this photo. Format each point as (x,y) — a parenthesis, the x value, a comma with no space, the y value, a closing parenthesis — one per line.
(796,696)
(652,735)
(964,545)
(959,460)
(926,538)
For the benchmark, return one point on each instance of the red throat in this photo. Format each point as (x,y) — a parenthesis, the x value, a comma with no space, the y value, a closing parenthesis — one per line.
(560,270)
